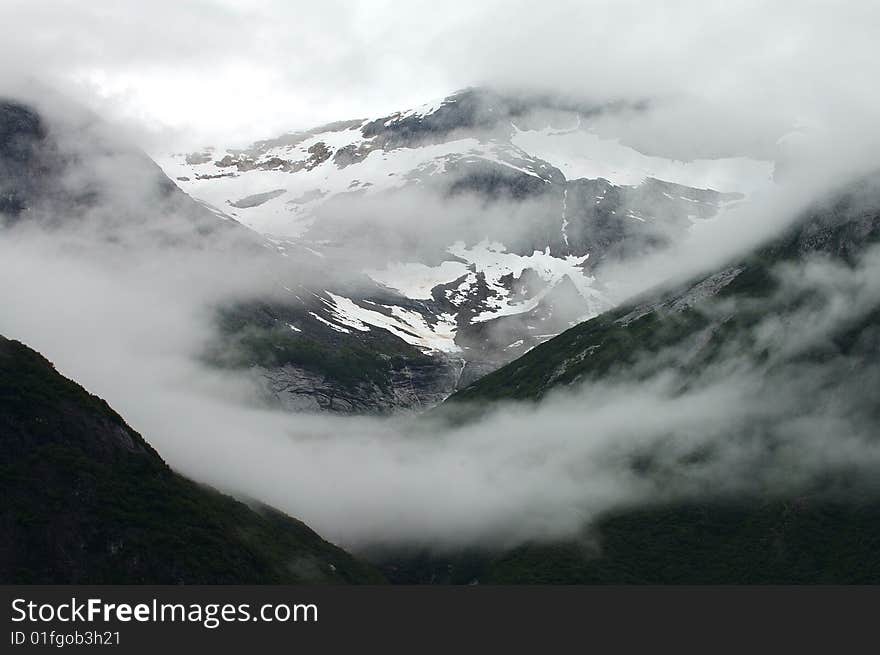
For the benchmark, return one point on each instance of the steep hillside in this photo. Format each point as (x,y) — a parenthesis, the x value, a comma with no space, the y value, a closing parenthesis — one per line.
(87,501)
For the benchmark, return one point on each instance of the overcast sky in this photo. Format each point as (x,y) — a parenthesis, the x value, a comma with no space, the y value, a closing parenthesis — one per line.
(236,70)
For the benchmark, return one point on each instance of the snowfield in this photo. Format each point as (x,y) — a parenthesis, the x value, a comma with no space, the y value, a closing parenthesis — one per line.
(581,154)
(289,213)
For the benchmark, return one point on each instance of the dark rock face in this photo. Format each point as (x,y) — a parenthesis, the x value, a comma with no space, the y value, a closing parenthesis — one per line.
(199,157)
(494,182)
(410,387)
(87,501)
(467,110)
(257,199)
(22,159)
(19,128)
(302,365)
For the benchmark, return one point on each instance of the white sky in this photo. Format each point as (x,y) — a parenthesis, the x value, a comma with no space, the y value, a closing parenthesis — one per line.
(184,73)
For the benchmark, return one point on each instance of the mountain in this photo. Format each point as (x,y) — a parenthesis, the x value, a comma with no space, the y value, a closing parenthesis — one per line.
(474,217)
(86,500)
(361,308)
(65,171)
(796,324)
(379,265)
(714,317)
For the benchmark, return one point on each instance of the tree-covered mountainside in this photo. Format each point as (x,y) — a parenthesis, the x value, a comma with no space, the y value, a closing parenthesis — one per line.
(86,500)
(798,541)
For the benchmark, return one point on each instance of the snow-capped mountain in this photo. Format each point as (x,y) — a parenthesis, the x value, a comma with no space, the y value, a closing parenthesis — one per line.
(483,219)
(430,249)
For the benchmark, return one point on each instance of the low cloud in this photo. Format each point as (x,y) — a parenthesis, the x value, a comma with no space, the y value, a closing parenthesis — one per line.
(128,324)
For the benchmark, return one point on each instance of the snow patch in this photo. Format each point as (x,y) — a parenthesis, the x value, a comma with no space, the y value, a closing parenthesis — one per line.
(408,325)
(332,326)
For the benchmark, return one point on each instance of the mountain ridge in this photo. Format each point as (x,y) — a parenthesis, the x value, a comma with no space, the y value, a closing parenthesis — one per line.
(88,501)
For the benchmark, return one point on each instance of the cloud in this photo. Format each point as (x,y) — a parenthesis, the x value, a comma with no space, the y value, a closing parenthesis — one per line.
(738,75)
(128,316)
(128,321)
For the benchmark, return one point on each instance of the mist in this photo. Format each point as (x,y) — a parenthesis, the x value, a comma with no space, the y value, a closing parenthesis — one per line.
(123,299)
(129,323)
